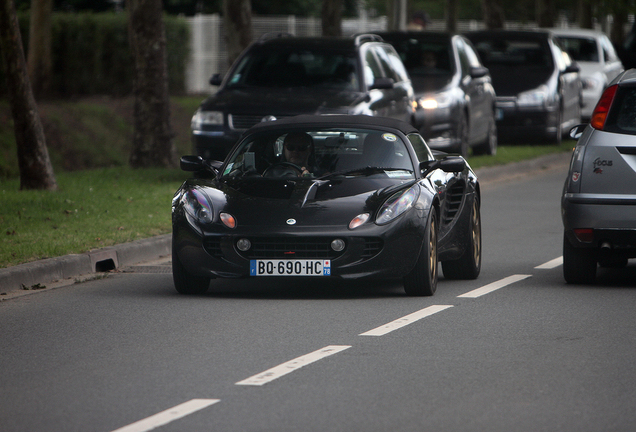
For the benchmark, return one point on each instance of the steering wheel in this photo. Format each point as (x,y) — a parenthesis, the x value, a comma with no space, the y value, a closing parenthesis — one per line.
(283,169)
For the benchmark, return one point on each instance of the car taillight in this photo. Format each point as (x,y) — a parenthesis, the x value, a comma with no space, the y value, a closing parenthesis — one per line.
(602,108)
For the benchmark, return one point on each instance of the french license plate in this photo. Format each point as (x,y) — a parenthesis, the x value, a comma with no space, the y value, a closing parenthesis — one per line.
(499,114)
(290,267)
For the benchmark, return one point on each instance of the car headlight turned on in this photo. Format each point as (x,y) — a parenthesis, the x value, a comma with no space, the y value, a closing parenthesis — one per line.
(397,205)
(202,118)
(197,206)
(533,98)
(437,101)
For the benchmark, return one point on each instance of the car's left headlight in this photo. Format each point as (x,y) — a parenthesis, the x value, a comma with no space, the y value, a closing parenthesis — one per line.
(436,101)
(197,205)
(534,97)
(201,118)
(397,205)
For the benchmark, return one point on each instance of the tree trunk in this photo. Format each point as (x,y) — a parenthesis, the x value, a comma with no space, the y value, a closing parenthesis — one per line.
(545,13)
(153,144)
(451,15)
(332,17)
(493,14)
(34,164)
(584,14)
(39,58)
(237,19)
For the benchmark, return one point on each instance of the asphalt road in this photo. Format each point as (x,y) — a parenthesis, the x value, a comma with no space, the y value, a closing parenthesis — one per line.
(515,350)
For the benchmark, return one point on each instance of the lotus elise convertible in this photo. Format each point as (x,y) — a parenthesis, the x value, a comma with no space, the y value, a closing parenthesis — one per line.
(327,196)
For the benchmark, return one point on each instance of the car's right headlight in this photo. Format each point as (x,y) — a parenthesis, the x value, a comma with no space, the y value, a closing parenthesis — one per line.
(201,118)
(197,205)
(534,97)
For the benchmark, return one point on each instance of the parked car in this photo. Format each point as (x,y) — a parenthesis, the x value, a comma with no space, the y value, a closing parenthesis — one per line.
(280,76)
(453,90)
(538,86)
(596,56)
(599,196)
(336,196)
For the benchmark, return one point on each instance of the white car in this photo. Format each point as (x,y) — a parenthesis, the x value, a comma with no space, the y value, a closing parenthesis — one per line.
(595,55)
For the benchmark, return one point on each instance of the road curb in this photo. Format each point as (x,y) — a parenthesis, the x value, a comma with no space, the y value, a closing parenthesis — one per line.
(38,274)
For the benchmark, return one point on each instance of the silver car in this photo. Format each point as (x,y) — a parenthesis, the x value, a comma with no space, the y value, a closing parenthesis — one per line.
(598,204)
(596,57)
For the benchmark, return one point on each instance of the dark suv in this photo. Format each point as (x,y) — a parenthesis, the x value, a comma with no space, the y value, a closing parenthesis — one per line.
(282,75)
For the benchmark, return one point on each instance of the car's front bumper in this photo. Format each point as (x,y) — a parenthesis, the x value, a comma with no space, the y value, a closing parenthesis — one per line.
(438,127)
(381,251)
(527,122)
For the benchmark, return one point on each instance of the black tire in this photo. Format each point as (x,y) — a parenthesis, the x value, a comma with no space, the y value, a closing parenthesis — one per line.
(468,266)
(184,282)
(558,134)
(489,146)
(579,264)
(462,135)
(422,280)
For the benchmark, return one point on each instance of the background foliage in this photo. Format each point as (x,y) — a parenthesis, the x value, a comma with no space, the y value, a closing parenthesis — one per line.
(91,53)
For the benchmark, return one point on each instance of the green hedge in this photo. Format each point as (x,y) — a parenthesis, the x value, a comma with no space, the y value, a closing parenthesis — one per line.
(91,54)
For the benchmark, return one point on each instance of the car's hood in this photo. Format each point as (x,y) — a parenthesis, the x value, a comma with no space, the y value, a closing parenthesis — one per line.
(284,101)
(510,81)
(272,202)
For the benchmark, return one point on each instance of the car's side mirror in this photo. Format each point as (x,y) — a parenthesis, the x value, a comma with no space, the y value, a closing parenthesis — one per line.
(572,68)
(193,163)
(478,71)
(447,164)
(382,83)
(577,131)
(216,80)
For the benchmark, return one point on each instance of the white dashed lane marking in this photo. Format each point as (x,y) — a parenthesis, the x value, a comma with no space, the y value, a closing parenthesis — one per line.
(551,264)
(487,289)
(292,365)
(167,416)
(406,320)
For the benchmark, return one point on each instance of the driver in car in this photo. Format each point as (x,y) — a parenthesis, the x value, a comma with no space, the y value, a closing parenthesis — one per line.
(298,148)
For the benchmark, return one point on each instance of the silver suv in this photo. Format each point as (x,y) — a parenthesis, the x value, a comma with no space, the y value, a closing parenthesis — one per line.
(599,197)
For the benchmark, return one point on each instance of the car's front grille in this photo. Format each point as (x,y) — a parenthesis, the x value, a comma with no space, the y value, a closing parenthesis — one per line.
(293,248)
(372,246)
(213,247)
(290,247)
(453,201)
(244,121)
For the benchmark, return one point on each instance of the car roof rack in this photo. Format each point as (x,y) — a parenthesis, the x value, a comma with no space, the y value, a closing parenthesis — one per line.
(274,35)
(361,38)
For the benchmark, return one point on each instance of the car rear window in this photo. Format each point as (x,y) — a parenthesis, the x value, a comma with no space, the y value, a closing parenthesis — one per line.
(580,48)
(622,115)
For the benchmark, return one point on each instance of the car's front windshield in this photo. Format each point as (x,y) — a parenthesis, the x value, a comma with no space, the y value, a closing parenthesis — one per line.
(428,57)
(296,67)
(321,154)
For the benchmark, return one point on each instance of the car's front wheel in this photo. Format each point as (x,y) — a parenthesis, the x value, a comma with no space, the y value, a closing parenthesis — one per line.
(468,265)
(184,282)
(422,280)
(579,264)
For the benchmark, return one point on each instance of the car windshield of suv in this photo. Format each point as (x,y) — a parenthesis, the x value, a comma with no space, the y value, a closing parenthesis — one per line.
(321,154)
(296,67)
(517,53)
(580,48)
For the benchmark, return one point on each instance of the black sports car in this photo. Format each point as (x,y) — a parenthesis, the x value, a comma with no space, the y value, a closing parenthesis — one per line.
(327,196)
